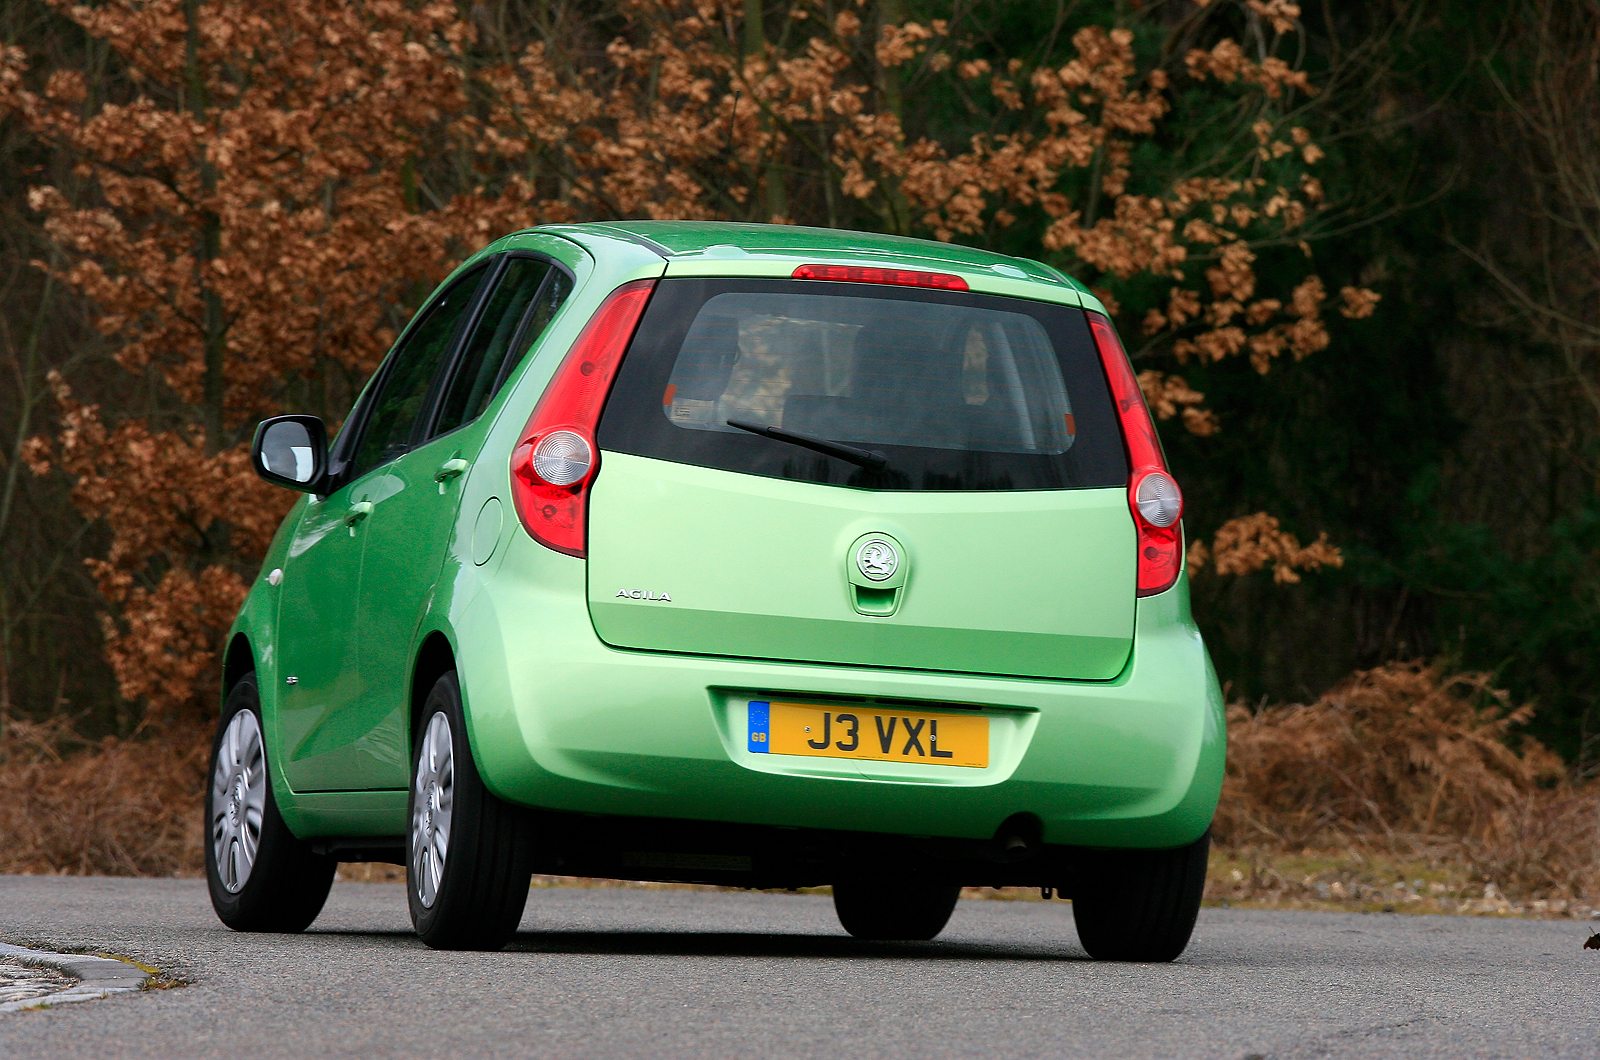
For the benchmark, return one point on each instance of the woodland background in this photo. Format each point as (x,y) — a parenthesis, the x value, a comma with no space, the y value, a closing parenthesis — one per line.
(1354,249)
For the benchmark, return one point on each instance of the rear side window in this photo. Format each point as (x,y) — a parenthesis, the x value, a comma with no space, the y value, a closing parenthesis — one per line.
(527,296)
(958,391)
(412,368)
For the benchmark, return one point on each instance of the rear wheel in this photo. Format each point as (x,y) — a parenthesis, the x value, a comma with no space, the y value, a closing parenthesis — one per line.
(261,877)
(470,852)
(894,910)
(1141,905)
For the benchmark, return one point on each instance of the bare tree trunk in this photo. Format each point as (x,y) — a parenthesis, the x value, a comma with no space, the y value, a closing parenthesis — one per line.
(214,326)
(1553,286)
(898,211)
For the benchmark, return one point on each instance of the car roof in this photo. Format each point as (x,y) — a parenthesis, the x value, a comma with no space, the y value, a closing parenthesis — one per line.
(677,239)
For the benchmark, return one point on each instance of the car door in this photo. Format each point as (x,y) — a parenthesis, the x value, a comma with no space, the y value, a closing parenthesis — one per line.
(316,627)
(408,534)
(330,743)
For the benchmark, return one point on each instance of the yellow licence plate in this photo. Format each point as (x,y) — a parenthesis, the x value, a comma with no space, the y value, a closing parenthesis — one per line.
(870,733)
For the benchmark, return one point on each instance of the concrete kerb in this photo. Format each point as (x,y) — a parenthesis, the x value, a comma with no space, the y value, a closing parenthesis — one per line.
(97,977)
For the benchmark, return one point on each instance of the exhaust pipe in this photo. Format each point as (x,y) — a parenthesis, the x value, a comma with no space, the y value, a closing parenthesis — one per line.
(1019,838)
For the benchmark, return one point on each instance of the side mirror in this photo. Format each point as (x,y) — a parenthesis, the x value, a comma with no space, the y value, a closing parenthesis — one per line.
(291,451)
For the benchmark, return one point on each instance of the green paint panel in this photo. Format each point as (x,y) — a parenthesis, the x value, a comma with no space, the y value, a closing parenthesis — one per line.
(407,535)
(1030,583)
(723,240)
(319,670)
(347,813)
(562,721)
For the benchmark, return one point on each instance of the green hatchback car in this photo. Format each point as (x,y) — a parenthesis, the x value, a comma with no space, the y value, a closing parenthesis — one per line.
(750,555)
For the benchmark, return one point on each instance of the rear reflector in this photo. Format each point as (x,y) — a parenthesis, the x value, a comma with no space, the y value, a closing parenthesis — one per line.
(562,458)
(942,281)
(1157,498)
(1153,495)
(554,463)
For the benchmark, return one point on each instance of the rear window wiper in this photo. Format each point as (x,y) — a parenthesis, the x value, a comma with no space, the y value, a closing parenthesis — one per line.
(864,457)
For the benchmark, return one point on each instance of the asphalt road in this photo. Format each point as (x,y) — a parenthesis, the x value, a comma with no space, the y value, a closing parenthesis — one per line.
(599,973)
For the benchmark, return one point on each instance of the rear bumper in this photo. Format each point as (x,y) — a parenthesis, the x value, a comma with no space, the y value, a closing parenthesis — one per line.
(560,721)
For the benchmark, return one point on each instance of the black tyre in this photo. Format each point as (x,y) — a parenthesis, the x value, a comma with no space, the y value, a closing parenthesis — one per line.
(262,878)
(894,910)
(1141,905)
(470,854)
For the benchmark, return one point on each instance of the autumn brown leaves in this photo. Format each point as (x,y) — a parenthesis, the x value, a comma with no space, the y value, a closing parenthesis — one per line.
(251,230)
(280,182)
(1408,764)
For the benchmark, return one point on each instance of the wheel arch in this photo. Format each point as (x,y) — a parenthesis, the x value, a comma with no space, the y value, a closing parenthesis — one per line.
(435,658)
(239,660)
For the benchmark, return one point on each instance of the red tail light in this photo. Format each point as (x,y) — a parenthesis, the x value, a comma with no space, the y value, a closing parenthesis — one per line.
(943,281)
(1153,496)
(554,463)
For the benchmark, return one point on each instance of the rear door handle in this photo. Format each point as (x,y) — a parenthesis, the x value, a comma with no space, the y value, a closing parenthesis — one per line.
(358,511)
(450,469)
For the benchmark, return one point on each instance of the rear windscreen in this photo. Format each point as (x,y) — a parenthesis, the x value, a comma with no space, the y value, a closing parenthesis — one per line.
(955,391)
